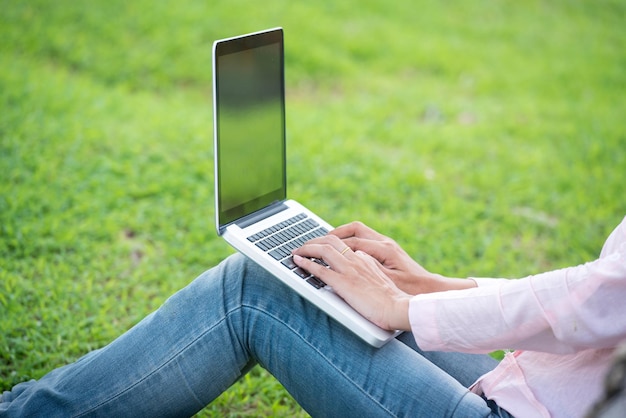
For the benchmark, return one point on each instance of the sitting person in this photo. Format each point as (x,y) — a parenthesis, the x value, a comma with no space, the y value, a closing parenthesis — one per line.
(564,325)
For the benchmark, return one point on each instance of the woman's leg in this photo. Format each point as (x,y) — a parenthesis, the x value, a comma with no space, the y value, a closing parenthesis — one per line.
(206,336)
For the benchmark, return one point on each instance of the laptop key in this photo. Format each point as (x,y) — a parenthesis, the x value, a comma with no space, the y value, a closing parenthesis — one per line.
(263,245)
(302,273)
(288,262)
(316,283)
(276,254)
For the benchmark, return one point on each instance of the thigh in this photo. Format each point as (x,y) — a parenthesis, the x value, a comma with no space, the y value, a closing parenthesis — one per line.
(331,372)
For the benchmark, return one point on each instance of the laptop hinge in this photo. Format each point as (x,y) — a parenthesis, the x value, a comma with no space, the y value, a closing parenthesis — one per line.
(255,217)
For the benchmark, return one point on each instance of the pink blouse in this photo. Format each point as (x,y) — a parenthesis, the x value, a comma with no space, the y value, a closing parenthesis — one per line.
(564,325)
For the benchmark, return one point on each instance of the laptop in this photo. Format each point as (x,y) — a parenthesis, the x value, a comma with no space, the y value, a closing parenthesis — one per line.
(252,211)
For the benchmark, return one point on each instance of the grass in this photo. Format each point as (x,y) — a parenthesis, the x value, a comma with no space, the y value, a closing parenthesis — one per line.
(494,128)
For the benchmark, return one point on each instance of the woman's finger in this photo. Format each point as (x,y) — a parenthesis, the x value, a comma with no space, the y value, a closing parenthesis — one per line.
(332,251)
(327,275)
(357,229)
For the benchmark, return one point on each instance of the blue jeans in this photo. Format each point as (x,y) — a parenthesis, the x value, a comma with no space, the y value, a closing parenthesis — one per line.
(205,337)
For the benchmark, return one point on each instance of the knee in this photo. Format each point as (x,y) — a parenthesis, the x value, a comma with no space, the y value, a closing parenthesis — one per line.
(239,269)
(239,263)
(236,281)
(233,274)
(219,287)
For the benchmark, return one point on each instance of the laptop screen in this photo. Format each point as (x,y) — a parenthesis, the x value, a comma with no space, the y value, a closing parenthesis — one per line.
(249,124)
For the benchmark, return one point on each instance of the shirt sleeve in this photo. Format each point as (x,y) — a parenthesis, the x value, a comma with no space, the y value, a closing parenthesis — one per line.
(561,311)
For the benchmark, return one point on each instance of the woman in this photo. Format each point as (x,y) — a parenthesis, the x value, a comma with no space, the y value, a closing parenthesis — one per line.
(564,325)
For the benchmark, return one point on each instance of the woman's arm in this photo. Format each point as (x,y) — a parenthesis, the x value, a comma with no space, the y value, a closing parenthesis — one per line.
(562,311)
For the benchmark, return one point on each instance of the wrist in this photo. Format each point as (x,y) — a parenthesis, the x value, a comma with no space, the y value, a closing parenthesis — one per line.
(450,283)
(400,317)
(433,282)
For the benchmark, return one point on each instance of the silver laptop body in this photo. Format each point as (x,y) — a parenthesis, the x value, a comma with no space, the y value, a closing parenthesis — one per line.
(251,207)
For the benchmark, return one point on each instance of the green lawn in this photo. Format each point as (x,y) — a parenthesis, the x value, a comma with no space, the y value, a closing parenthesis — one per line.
(496,128)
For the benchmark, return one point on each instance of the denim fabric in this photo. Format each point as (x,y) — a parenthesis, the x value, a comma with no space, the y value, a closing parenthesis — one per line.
(208,335)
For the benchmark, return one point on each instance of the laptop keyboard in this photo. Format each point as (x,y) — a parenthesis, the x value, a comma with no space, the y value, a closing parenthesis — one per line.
(281,239)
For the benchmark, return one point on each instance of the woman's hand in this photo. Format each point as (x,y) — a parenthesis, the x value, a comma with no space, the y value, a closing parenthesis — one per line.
(372,273)
(358,279)
(407,274)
